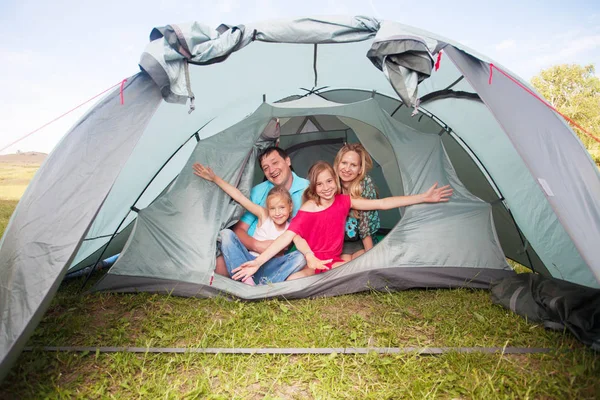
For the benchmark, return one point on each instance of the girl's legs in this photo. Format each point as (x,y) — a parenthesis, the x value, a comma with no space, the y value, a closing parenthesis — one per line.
(352,249)
(309,272)
(234,253)
(278,269)
(358,253)
(301,274)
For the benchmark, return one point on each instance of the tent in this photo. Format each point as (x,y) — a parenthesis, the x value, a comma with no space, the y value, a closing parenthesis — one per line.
(120,179)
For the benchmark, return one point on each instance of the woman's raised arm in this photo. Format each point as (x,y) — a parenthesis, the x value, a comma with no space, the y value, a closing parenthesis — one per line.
(432,195)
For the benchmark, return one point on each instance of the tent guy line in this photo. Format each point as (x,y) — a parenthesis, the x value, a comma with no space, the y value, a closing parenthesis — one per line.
(294,350)
(547,104)
(121,83)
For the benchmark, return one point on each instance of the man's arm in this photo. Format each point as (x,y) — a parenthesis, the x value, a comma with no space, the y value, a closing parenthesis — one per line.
(241,230)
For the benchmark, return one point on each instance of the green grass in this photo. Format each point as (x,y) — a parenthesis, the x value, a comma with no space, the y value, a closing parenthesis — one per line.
(14,179)
(409,318)
(329,377)
(423,318)
(435,318)
(6,210)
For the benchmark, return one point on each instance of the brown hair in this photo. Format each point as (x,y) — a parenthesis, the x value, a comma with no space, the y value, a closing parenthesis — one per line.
(310,193)
(366,163)
(270,150)
(280,191)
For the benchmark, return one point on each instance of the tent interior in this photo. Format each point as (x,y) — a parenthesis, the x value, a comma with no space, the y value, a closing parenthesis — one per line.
(314,127)
(482,156)
(319,137)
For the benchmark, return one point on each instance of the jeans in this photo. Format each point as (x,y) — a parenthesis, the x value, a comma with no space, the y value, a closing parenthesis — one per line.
(275,270)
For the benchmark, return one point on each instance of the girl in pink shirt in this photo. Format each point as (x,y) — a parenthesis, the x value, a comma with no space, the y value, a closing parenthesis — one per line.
(322,218)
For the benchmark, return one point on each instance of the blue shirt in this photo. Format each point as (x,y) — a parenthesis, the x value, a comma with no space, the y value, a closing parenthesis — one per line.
(258,195)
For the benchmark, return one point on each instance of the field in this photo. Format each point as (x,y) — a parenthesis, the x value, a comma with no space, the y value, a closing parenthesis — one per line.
(418,318)
(14,178)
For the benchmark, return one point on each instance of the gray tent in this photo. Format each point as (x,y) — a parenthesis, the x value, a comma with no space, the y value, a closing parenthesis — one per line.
(123,171)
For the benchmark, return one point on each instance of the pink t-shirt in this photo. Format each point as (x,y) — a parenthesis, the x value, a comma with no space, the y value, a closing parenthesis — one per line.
(324,230)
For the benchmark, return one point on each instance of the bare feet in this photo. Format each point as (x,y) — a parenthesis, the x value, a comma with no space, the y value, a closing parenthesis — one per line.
(221,268)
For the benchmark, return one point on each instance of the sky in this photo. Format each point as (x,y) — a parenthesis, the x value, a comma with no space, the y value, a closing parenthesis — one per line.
(56,55)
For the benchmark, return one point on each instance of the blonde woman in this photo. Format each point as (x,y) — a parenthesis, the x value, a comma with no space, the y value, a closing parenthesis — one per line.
(351,165)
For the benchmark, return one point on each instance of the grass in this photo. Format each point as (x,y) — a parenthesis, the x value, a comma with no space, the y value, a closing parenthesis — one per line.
(435,318)
(6,210)
(14,179)
(432,318)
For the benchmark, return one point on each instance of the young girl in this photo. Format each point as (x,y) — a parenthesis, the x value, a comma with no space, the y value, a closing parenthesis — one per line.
(351,165)
(322,217)
(272,222)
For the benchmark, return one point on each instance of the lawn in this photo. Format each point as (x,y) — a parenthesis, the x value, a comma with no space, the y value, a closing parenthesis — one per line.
(415,318)
(14,178)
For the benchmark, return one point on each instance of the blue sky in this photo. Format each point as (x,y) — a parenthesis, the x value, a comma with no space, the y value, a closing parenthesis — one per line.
(55,55)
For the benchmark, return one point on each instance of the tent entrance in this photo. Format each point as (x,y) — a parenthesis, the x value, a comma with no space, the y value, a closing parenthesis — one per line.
(305,147)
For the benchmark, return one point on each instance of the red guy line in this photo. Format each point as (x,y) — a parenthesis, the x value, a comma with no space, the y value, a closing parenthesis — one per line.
(492,66)
(121,91)
(68,112)
(439,58)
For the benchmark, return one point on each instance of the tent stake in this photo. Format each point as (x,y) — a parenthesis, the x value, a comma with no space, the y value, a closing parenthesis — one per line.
(296,350)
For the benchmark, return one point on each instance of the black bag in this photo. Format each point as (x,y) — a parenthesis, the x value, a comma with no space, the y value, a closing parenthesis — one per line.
(556,303)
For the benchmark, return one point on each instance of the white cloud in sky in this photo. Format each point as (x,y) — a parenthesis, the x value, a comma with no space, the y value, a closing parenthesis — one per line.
(530,55)
(570,50)
(506,44)
(226,6)
(16,58)
(376,12)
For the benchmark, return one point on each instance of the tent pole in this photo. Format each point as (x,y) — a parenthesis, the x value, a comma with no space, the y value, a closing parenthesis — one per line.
(478,162)
(495,187)
(315,64)
(133,208)
(522,239)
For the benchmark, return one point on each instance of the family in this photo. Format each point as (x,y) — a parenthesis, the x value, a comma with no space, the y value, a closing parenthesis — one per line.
(331,218)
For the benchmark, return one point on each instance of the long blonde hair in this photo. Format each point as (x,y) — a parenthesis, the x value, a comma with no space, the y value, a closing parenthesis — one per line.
(366,163)
(310,193)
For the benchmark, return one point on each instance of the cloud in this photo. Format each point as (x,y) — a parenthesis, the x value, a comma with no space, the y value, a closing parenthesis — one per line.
(375,11)
(226,6)
(530,55)
(506,45)
(335,7)
(570,50)
(17,57)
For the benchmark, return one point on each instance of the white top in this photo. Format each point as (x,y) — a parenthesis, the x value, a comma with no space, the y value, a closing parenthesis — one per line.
(267,231)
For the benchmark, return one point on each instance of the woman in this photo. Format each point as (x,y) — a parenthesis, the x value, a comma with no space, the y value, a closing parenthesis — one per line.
(351,165)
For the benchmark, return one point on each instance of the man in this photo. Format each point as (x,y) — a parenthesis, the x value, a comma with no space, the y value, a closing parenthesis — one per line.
(277,167)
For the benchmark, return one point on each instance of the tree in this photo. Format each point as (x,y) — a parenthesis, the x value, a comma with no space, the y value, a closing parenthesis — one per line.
(574,90)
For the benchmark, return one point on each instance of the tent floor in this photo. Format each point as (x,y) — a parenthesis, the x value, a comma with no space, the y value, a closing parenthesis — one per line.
(384,279)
